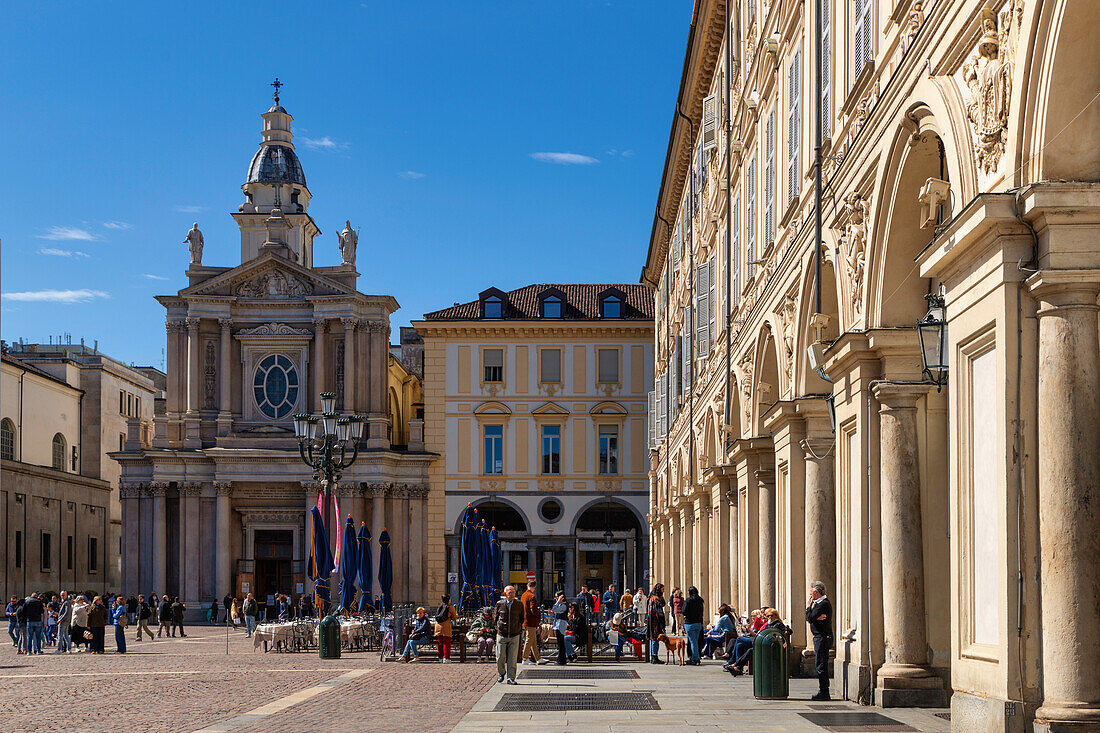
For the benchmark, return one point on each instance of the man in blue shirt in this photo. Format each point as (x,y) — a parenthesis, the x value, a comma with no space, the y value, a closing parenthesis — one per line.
(610,602)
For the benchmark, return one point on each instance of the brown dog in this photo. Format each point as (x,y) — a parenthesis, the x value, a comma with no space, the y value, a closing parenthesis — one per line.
(674,646)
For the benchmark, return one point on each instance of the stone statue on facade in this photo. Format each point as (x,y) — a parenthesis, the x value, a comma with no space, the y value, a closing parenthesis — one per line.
(988,78)
(193,240)
(853,241)
(349,240)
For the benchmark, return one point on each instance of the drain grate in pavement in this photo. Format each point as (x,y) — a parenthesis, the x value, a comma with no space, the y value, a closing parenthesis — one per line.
(856,722)
(578,674)
(539,702)
(945,716)
(829,707)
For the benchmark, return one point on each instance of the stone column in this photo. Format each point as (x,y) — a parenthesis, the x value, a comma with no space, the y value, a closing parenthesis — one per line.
(175,397)
(455,566)
(732,548)
(687,523)
(194,369)
(1069,508)
(225,379)
(820,512)
(765,491)
(377,412)
(417,498)
(377,524)
(190,536)
(571,570)
(701,580)
(223,573)
(906,665)
(131,542)
(160,537)
(614,579)
(349,366)
(319,326)
(400,535)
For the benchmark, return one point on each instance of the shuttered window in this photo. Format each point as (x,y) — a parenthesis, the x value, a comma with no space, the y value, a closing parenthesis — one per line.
(864,43)
(608,365)
(702,291)
(550,365)
(769,180)
(735,254)
(712,306)
(794,125)
(689,326)
(750,217)
(652,420)
(722,315)
(710,122)
(826,68)
(494,365)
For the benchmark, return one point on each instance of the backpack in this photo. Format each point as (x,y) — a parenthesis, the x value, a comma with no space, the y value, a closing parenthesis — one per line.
(443,615)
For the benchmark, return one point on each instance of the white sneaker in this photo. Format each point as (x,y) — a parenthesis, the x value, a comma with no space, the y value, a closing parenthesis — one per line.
(542,661)
(528,662)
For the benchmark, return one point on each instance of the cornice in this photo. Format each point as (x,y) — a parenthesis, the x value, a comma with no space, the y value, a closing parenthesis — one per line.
(636,327)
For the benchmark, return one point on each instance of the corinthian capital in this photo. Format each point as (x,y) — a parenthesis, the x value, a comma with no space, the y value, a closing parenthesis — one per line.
(349,323)
(223,488)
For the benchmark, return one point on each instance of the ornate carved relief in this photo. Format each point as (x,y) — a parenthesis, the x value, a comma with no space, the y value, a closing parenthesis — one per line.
(189,488)
(913,22)
(158,488)
(786,317)
(492,484)
(988,77)
(223,488)
(852,246)
(746,386)
(339,374)
(210,376)
(260,518)
(274,329)
(274,284)
(550,484)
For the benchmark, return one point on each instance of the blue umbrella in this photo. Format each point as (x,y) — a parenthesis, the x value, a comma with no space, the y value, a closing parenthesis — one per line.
(366,576)
(385,570)
(479,561)
(350,566)
(468,559)
(486,563)
(320,563)
(494,545)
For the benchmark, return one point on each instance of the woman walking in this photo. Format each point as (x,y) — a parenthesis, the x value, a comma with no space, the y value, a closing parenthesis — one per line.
(655,622)
(143,614)
(97,621)
(444,615)
(121,616)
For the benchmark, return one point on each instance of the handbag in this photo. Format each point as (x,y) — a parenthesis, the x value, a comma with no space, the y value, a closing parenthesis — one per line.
(88,635)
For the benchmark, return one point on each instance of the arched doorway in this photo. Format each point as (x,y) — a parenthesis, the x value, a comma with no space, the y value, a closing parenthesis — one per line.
(609,547)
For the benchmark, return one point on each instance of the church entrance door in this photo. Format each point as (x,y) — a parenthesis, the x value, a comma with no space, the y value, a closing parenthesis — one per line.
(273,551)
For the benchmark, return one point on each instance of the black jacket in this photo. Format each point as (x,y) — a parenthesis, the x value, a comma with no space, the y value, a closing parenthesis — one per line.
(693,610)
(143,612)
(824,627)
(33,609)
(165,611)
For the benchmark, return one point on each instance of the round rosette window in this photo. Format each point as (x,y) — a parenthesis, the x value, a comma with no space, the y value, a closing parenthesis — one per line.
(275,386)
(550,510)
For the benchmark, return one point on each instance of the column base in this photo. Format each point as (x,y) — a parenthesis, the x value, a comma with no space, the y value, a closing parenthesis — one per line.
(970,712)
(910,688)
(1068,717)
(192,437)
(225,424)
(376,432)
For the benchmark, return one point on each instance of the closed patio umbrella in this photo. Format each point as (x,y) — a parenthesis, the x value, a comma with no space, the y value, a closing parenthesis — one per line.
(494,547)
(467,559)
(320,563)
(366,569)
(385,570)
(350,566)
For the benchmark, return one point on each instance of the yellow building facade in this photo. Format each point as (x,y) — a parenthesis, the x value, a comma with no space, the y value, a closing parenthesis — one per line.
(537,400)
(800,434)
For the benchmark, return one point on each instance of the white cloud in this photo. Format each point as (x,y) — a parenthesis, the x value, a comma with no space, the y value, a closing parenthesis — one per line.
(154,277)
(411,175)
(56,296)
(191,209)
(67,233)
(321,143)
(564,158)
(62,252)
(620,153)
(118,225)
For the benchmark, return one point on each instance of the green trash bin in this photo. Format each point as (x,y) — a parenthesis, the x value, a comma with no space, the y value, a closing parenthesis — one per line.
(769,665)
(328,638)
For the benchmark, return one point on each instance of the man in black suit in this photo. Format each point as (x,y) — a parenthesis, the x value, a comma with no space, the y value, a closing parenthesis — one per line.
(819,615)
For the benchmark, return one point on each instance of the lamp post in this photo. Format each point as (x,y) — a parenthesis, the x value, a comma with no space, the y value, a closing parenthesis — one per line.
(323,444)
(932,331)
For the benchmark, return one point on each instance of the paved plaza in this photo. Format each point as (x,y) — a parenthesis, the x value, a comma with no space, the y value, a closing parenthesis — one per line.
(192,684)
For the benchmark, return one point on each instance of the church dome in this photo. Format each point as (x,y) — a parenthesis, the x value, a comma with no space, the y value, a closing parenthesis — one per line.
(275,163)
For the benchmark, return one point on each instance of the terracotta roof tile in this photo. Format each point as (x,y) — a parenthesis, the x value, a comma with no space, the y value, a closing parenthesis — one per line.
(582,302)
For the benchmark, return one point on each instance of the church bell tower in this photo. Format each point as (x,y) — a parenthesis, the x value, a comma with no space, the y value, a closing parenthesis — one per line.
(275,214)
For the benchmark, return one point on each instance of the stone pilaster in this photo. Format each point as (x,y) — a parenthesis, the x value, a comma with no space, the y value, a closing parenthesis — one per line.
(765,504)
(349,363)
(159,548)
(225,378)
(905,679)
(318,366)
(820,511)
(223,557)
(191,437)
(1069,503)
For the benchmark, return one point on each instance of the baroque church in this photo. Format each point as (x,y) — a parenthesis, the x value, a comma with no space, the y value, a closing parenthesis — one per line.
(219,503)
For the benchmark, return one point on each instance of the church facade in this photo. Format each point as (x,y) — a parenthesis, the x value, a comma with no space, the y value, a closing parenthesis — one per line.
(219,502)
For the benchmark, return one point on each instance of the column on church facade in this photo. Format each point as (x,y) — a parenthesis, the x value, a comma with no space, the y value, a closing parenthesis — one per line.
(159,546)
(418,496)
(191,562)
(903,596)
(223,562)
(175,403)
(225,379)
(349,363)
(319,382)
(1069,474)
(400,534)
(194,368)
(377,412)
(131,541)
(378,523)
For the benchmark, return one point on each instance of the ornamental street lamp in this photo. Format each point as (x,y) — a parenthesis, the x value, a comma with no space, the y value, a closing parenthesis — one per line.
(323,443)
(932,330)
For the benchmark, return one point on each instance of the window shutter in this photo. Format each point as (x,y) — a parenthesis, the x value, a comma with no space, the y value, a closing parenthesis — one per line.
(651,422)
(689,326)
(769,181)
(750,219)
(550,370)
(735,251)
(676,246)
(826,68)
(712,304)
(794,125)
(710,122)
(862,41)
(702,328)
(723,318)
(868,31)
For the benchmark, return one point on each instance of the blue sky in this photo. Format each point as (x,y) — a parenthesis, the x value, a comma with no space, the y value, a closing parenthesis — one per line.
(421,122)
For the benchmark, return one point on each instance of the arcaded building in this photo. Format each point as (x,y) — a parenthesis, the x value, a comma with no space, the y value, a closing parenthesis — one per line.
(943,489)
(537,399)
(219,502)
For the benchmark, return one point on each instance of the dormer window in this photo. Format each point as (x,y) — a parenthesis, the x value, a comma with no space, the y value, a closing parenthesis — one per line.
(492,307)
(611,307)
(551,307)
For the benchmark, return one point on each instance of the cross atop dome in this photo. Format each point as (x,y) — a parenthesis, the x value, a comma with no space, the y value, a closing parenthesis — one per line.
(276,84)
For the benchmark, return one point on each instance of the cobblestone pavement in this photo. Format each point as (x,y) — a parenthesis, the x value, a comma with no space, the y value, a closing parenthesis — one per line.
(188,684)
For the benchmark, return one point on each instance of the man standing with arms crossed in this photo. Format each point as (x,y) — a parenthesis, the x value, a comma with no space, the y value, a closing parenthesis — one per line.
(532,618)
(508,621)
(609,602)
(819,615)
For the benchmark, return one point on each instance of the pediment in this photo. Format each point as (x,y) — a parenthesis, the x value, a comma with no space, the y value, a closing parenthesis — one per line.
(550,408)
(269,277)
